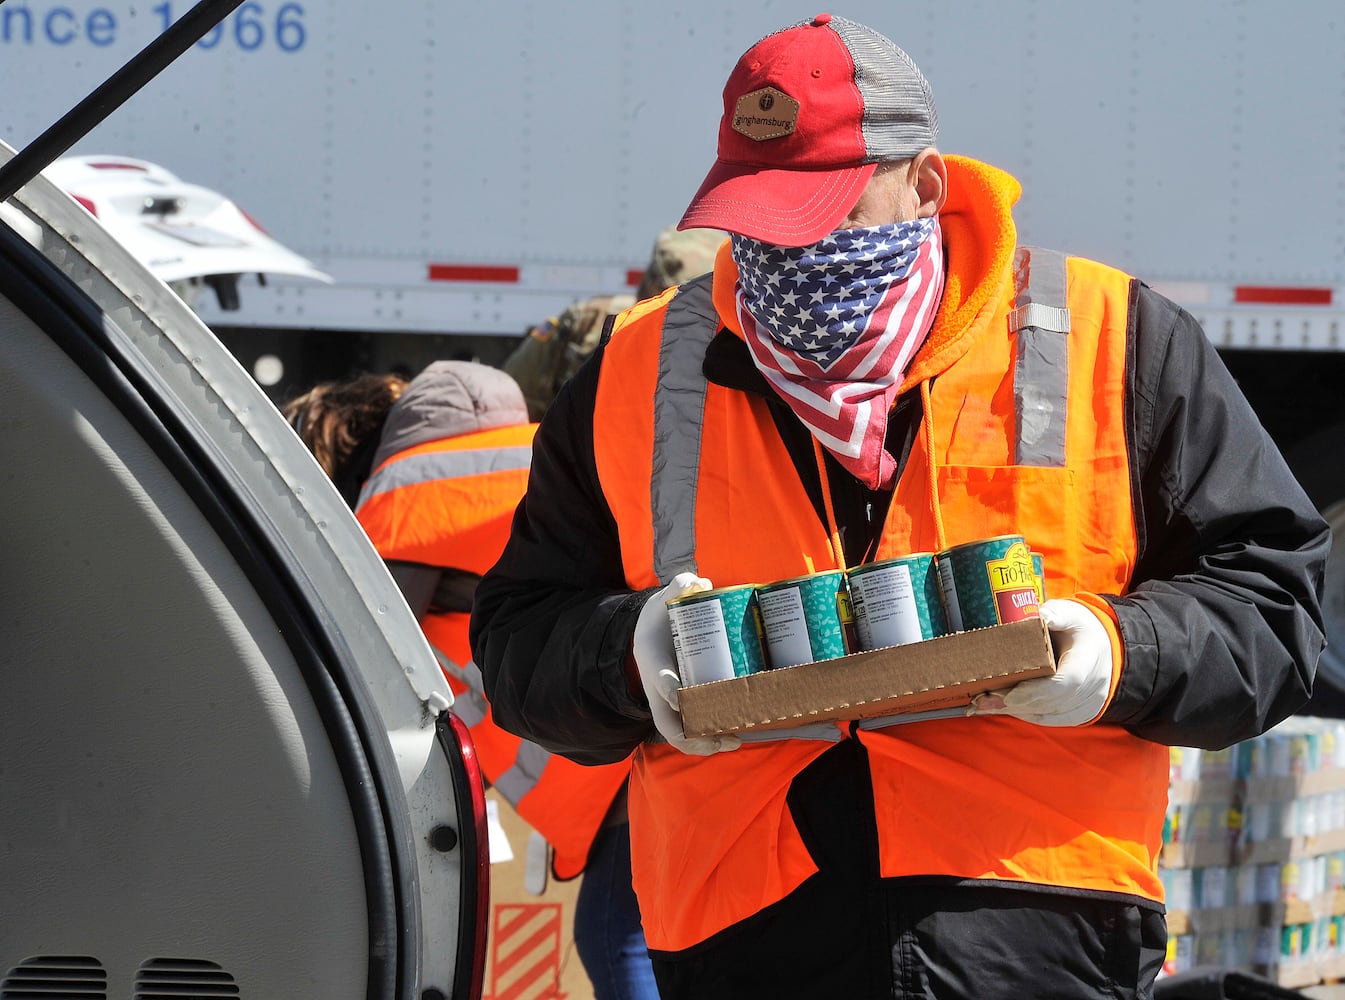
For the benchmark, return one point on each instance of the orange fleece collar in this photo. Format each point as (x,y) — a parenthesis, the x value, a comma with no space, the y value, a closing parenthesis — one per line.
(979,237)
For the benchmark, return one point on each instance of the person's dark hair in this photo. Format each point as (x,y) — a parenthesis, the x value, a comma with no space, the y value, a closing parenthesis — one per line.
(340,422)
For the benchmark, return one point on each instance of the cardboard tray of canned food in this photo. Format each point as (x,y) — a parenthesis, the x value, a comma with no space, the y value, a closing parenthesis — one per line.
(919,634)
(943,672)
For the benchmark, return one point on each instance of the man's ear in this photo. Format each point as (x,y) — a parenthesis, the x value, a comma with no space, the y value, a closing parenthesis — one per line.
(931,182)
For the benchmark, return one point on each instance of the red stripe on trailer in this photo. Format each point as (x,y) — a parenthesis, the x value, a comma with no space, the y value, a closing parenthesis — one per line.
(1269,295)
(473,272)
(633,278)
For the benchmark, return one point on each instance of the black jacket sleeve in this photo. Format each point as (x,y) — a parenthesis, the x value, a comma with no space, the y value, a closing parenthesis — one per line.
(1222,626)
(557,596)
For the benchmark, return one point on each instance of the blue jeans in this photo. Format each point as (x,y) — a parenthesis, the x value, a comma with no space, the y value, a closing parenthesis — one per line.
(607,931)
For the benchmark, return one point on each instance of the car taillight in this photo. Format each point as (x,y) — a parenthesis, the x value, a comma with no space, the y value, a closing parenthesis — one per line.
(87,203)
(469,785)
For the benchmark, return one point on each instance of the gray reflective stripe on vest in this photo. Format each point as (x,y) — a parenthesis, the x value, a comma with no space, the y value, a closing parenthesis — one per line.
(471,708)
(1040,319)
(522,778)
(436,465)
(689,324)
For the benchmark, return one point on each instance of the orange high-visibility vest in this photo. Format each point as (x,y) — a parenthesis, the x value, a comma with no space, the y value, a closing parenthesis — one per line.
(449,503)
(1023,432)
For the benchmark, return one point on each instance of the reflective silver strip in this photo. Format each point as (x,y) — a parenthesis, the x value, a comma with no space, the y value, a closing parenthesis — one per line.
(1040,320)
(471,708)
(522,778)
(1041,316)
(432,466)
(689,325)
(826,732)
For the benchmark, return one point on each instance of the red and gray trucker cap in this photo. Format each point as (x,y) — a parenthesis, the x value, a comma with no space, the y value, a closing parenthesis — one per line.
(808,112)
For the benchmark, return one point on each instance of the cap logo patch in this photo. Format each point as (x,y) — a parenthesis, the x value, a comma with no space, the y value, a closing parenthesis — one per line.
(765,114)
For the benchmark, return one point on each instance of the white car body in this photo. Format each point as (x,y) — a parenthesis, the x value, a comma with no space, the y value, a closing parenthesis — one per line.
(230,766)
(185,234)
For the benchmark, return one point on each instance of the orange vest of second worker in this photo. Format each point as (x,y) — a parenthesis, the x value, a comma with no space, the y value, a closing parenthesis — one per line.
(449,503)
(993,798)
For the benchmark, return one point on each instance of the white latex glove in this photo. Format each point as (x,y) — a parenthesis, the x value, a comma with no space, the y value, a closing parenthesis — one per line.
(657,663)
(1077,692)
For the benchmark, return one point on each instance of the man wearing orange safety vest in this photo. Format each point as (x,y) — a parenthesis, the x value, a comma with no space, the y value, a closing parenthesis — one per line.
(451,464)
(875,368)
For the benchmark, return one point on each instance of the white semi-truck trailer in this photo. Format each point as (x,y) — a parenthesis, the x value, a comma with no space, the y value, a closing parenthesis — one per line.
(461,171)
(466,169)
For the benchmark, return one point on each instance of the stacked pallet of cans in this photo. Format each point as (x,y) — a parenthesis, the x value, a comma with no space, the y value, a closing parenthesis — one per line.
(1254,854)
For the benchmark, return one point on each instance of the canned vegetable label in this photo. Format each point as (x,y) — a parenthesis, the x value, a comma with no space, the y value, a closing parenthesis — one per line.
(804,619)
(897,601)
(989,582)
(1039,571)
(716,634)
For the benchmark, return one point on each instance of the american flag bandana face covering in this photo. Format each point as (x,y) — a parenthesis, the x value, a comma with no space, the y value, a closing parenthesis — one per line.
(833,327)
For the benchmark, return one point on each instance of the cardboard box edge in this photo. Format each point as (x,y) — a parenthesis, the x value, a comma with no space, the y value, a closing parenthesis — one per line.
(852,682)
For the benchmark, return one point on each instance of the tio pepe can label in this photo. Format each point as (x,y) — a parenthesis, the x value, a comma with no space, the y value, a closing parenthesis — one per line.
(988,582)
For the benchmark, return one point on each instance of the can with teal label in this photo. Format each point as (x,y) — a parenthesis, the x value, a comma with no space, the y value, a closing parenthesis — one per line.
(805,618)
(988,582)
(897,601)
(1039,571)
(717,634)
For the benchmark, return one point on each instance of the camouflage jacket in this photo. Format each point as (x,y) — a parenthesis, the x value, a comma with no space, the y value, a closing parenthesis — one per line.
(553,351)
